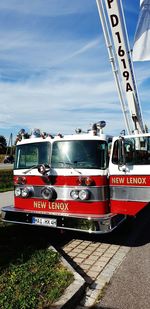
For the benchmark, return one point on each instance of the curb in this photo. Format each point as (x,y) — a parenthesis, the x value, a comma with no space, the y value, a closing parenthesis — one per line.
(74,292)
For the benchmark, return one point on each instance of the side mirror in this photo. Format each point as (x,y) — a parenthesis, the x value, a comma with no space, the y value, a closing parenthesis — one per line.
(43,169)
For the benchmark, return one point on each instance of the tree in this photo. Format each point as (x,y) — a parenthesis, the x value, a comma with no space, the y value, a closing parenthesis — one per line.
(3,141)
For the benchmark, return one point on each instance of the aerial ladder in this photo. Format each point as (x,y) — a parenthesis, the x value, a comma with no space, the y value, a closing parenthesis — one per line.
(117,43)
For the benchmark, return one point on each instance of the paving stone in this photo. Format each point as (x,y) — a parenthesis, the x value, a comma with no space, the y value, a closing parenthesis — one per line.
(96,269)
(109,255)
(92,274)
(98,253)
(92,258)
(104,258)
(115,246)
(67,250)
(82,255)
(82,246)
(100,248)
(76,250)
(85,266)
(78,260)
(72,254)
(71,242)
(88,262)
(77,242)
(89,250)
(70,246)
(94,246)
(104,246)
(112,250)
(100,264)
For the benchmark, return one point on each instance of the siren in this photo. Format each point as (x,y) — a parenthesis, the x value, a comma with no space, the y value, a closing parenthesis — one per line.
(97,127)
(35,133)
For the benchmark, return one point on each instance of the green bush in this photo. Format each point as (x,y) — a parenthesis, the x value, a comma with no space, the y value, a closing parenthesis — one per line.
(6,180)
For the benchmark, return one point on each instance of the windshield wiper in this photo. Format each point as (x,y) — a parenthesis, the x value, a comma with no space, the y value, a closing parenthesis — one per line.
(31,168)
(43,168)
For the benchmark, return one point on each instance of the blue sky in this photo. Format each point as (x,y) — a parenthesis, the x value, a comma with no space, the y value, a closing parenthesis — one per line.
(54,68)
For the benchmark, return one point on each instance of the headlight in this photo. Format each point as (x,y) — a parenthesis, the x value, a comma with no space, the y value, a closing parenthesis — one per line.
(84,195)
(25,192)
(74,194)
(17,191)
(48,193)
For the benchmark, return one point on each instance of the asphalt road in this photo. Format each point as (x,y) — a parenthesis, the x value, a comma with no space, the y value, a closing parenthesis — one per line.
(129,287)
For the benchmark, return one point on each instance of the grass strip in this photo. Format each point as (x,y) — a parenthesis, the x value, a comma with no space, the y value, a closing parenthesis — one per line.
(30,276)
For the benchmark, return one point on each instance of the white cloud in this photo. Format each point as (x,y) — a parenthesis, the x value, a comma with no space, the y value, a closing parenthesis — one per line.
(47,7)
(54,103)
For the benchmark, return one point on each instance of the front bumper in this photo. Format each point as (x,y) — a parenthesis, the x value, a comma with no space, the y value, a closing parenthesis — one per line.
(90,224)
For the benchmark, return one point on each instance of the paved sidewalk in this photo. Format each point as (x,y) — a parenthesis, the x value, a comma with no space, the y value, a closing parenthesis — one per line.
(96,262)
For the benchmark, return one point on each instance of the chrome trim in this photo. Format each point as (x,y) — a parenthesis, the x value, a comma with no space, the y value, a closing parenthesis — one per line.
(63,193)
(127,193)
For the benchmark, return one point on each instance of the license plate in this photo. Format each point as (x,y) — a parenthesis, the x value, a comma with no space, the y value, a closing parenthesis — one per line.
(44,221)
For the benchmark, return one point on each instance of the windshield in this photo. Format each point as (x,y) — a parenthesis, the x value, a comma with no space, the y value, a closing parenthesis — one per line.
(79,154)
(136,150)
(33,154)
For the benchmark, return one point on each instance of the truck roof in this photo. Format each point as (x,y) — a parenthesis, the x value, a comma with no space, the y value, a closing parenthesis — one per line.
(81,136)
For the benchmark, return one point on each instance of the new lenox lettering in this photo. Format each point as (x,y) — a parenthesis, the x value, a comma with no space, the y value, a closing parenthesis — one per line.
(136,180)
(129,180)
(58,206)
(118,180)
(39,205)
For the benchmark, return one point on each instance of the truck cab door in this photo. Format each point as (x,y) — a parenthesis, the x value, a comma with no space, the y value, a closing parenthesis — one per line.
(128,178)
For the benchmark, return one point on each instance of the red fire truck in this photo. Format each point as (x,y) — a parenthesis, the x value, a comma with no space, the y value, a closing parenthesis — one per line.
(70,182)
(63,182)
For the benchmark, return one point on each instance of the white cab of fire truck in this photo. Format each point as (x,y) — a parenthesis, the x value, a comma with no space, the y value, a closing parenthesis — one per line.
(129,170)
(62,182)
